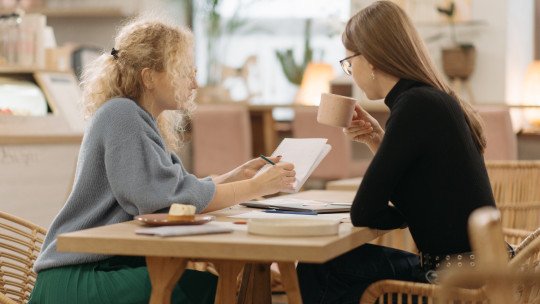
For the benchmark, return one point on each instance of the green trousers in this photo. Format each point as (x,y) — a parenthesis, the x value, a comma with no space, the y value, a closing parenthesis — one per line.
(115,281)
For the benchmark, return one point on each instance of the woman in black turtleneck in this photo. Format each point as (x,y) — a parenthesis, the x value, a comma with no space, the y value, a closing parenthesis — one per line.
(428,162)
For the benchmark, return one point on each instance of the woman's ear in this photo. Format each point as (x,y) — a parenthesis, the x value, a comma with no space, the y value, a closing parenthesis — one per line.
(371,67)
(147,76)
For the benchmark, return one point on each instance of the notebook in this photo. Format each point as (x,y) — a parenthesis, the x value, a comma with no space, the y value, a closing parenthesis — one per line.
(183,230)
(305,153)
(299,205)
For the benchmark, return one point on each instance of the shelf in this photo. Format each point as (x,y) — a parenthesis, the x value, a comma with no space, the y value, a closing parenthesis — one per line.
(77,12)
(23,70)
(445,23)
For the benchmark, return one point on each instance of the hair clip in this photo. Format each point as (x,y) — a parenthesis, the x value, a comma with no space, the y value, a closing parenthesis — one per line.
(114,53)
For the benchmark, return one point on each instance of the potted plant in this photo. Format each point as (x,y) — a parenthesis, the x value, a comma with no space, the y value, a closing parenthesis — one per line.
(295,71)
(459,59)
(217,28)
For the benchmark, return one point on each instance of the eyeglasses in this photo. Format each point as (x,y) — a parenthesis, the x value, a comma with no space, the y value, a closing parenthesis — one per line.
(346,64)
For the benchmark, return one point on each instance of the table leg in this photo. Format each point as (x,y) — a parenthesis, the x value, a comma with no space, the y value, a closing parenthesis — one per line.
(228,274)
(164,273)
(289,279)
(256,285)
(269,132)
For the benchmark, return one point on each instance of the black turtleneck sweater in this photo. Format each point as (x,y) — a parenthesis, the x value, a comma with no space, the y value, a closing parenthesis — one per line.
(429,167)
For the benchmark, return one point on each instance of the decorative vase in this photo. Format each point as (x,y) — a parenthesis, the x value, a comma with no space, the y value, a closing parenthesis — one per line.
(459,62)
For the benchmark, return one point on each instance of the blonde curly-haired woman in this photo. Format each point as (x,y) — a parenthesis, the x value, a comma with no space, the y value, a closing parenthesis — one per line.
(125,168)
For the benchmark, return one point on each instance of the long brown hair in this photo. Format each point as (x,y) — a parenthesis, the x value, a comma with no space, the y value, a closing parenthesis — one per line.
(386,37)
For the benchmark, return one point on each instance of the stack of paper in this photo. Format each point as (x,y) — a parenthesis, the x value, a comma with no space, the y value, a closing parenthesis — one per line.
(184,230)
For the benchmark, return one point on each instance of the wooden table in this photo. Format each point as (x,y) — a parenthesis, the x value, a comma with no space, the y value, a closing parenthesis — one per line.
(262,128)
(167,257)
(349,184)
(265,130)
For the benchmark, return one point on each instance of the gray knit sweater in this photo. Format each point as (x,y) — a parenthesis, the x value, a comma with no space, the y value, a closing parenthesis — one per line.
(123,170)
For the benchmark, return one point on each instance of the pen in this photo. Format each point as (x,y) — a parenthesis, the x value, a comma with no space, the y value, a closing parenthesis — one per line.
(307,212)
(267,160)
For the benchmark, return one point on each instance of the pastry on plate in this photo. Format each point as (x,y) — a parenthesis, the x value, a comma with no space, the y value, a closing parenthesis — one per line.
(181,212)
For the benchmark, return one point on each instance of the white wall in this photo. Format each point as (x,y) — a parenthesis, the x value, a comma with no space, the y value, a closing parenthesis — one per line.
(519,46)
(100,31)
(504,44)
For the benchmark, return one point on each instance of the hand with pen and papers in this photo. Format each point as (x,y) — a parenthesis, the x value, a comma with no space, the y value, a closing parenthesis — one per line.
(277,177)
(305,153)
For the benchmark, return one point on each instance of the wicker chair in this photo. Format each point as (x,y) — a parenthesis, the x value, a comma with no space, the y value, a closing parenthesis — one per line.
(515,237)
(516,192)
(20,243)
(388,291)
(519,282)
(514,181)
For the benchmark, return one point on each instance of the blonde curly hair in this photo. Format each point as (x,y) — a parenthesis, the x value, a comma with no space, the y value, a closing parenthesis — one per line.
(143,44)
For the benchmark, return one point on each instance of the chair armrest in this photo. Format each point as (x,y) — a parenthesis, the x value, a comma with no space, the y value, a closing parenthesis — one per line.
(6,300)
(515,236)
(413,289)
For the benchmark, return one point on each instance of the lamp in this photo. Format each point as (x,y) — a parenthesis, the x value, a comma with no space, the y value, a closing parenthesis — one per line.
(316,81)
(531,93)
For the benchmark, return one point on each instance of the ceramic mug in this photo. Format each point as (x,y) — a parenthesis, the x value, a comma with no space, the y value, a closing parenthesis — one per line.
(335,110)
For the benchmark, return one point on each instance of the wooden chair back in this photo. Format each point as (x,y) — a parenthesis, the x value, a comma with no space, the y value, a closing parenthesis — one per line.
(339,162)
(20,244)
(221,138)
(500,136)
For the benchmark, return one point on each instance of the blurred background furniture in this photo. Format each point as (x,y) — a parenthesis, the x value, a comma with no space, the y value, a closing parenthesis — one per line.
(221,138)
(347,184)
(38,154)
(514,181)
(263,127)
(339,163)
(20,243)
(500,135)
(516,190)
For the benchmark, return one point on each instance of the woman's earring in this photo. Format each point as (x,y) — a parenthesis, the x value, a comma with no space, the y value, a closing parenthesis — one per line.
(372,75)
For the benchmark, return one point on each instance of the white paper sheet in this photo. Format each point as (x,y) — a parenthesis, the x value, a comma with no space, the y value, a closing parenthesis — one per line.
(305,153)
(304,202)
(261,214)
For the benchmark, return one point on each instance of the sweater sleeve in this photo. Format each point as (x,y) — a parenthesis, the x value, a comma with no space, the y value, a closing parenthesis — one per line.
(404,141)
(142,174)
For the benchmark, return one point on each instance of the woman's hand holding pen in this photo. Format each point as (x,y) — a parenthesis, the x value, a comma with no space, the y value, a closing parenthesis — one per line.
(279,177)
(249,169)
(365,129)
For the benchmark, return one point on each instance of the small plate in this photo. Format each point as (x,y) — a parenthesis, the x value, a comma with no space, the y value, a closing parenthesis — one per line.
(160,219)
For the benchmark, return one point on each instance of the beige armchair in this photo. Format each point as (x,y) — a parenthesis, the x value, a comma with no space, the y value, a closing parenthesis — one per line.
(339,163)
(500,136)
(221,138)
